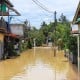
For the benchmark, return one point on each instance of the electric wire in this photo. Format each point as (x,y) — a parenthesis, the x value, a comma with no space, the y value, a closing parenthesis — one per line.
(42,6)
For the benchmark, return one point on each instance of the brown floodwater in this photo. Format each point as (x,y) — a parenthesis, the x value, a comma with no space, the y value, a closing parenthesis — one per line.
(38,64)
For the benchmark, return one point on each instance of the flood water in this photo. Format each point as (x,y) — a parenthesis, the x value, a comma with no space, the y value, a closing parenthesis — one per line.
(38,64)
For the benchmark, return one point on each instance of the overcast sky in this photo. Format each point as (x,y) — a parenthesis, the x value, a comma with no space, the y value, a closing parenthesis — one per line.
(33,13)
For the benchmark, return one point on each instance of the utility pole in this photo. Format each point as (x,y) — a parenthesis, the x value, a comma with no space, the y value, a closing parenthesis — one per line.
(55,24)
(78,58)
(78,55)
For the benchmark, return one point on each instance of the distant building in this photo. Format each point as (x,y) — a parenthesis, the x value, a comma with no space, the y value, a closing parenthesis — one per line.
(20,30)
(17,29)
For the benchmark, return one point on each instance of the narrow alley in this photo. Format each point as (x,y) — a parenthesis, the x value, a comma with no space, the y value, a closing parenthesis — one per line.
(38,64)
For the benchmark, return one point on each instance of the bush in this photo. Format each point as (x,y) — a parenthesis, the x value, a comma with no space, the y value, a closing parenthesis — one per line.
(29,45)
(73,44)
(73,48)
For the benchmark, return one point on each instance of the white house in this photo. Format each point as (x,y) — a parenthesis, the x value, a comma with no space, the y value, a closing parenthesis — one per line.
(17,29)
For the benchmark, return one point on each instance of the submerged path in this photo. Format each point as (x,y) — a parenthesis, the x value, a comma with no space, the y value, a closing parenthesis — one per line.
(38,64)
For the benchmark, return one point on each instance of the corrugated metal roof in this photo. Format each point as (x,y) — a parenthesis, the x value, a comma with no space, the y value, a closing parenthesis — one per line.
(76,14)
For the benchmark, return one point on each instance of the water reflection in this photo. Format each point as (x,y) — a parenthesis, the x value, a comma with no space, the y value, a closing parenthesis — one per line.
(40,72)
(37,64)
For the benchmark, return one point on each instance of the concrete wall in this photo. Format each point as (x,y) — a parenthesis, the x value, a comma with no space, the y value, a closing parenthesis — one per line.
(1,50)
(1,45)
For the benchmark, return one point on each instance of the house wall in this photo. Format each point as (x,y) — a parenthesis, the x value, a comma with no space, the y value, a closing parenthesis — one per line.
(2,24)
(1,37)
(1,44)
(17,29)
(79,27)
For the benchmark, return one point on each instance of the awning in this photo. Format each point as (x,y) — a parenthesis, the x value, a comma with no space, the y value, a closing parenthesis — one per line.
(4,13)
(18,14)
(12,35)
(75,32)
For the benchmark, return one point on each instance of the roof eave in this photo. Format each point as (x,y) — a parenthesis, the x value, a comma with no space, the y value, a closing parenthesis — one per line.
(76,14)
(9,3)
(18,14)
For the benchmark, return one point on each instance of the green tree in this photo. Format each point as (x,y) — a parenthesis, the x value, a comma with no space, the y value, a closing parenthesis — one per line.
(63,19)
(63,33)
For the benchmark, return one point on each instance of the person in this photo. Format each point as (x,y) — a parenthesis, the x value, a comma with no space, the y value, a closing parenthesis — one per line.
(16,47)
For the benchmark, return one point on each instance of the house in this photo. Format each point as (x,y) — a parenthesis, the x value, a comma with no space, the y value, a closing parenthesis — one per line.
(17,29)
(6,7)
(76,21)
(20,30)
(1,44)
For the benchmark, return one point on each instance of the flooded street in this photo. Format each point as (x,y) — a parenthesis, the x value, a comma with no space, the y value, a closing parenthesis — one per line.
(38,64)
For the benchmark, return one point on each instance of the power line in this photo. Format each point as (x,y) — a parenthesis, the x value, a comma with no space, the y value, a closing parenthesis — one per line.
(42,6)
